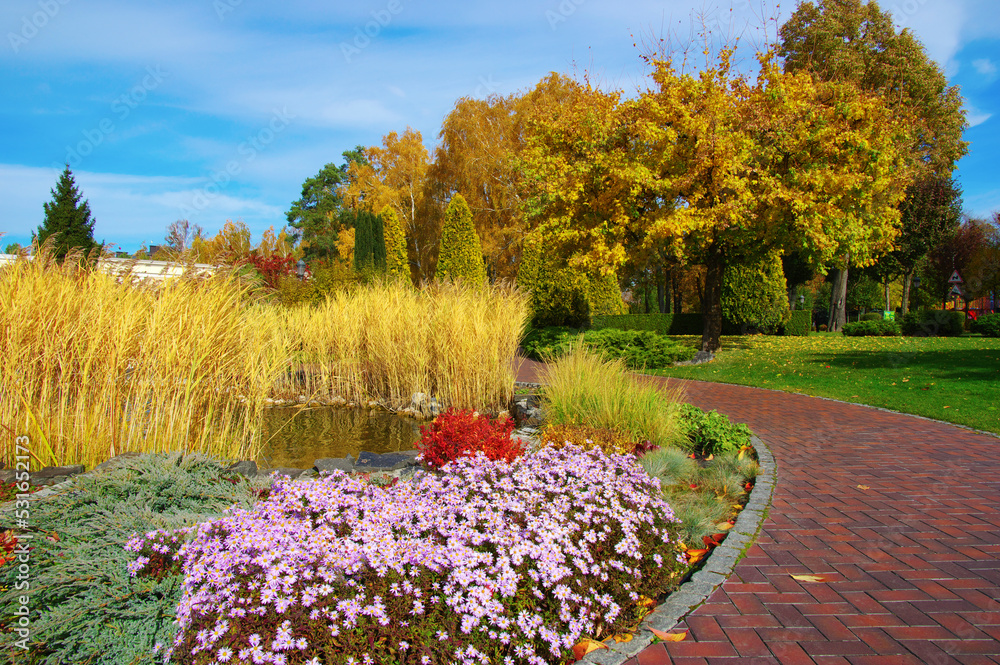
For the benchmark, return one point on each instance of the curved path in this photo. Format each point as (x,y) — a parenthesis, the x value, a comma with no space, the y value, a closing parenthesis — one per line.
(898,514)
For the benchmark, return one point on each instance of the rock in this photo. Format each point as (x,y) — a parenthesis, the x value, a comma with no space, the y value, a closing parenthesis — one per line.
(247,468)
(284,471)
(330,464)
(57,471)
(527,412)
(700,358)
(7,475)
(115,461)
(425,405)
(371,462)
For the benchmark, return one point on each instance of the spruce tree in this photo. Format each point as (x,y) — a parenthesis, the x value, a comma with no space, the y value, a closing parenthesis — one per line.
(67,220)
(461,253)
(396,264)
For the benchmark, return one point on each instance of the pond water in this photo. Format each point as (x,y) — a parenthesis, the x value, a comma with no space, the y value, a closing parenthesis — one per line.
(297,437)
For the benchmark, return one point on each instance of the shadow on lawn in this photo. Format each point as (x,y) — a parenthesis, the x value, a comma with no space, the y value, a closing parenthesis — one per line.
(965,365)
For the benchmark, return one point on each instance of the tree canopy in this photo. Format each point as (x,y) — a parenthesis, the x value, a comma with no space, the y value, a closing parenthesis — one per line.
(68,221)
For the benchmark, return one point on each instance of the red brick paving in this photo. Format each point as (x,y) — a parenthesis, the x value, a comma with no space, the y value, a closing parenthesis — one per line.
(912,563)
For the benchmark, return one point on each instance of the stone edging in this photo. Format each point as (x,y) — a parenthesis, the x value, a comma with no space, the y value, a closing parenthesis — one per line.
(717,568)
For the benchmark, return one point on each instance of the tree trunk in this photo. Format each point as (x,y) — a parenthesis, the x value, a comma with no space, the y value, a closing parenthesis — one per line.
(904,307)
(661,292)
(838,301)
(711,304)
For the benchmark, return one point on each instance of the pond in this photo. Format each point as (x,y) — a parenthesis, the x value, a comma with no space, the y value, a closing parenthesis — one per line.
(297,437)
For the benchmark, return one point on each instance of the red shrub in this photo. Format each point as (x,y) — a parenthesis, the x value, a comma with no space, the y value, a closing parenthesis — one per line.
(272,267)
(455,434)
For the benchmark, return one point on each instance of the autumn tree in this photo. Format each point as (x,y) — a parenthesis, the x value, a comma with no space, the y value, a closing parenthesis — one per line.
(395,175)
(396,264)
(855,41)
(180,235)
(724,167)
(461,253)
(68,221)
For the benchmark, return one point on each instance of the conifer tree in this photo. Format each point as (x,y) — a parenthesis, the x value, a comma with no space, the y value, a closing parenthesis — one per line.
(396,264)
(369,242)
(461,254)
(67,220)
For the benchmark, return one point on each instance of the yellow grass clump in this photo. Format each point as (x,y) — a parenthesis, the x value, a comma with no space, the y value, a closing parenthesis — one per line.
(91,367)
(387,341)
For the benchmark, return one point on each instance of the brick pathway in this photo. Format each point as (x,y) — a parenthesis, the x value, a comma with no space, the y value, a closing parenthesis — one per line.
(900,515)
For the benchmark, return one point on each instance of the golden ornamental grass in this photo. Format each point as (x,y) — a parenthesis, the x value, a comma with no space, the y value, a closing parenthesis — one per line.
(90,367)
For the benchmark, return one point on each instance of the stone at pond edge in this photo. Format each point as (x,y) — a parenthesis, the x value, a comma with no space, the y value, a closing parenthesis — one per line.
(369,462)
(284,471)
(330,464)
(425,405)
(246,468)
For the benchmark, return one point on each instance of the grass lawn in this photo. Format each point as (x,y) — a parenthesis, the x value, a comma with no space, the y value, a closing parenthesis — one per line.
(956,379)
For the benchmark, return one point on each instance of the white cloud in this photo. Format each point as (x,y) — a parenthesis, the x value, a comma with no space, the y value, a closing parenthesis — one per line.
(985,67)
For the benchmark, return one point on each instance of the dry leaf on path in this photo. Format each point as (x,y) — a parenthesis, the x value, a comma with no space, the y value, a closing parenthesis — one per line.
(864,487)
(669,637)
(585,646)
(809,578)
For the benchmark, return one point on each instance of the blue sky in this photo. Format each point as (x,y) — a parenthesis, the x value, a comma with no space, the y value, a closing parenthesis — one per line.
(219,109)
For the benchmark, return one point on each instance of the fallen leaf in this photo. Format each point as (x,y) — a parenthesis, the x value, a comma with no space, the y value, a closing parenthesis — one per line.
(585,646)
(723,526)
(737,506)
(809,578)
(669,637)
(693,486)
(623,637)
(710,457)
(864,487)
(645,601)
(947,407)
(694,556)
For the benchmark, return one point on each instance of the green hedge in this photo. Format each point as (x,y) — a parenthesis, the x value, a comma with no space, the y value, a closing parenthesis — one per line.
(988,325)
(800,324)
(691,323)
(934,323)
(872,328)
(664,324)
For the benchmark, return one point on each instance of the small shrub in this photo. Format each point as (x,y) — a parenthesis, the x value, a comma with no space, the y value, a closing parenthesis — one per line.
(934,323)
(872,316)
(488,562)
(587,438)
(712,433)
(872,328)
(456,434)
(639,349)
(822,327)
(549,342)
(988,325)
(799,324)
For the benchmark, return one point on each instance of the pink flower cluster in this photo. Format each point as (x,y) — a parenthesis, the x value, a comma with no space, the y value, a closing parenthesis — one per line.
(486,562)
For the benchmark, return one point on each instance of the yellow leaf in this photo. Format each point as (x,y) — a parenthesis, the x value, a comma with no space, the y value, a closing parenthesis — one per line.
(809,578)
(669,637)
(723,526)
(645,601)
(623,637)
(694,556)
(864,487)
(585,646)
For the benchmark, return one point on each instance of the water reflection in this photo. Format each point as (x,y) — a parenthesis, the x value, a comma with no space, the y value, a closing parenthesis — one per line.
(298,437)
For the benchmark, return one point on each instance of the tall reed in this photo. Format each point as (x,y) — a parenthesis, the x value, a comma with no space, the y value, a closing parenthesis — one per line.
(91,367)
(583,388)
(386,341)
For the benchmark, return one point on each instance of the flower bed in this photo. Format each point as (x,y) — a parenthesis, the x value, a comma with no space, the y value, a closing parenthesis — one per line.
(488,561)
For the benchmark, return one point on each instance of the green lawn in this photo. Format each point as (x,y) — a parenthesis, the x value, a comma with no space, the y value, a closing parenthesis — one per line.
(955,379)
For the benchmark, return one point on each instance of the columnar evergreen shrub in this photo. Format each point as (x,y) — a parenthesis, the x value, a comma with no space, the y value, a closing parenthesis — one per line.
(397,266)
(755,295)
(461,253)
(798,324)
(562,295)
(369,242)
